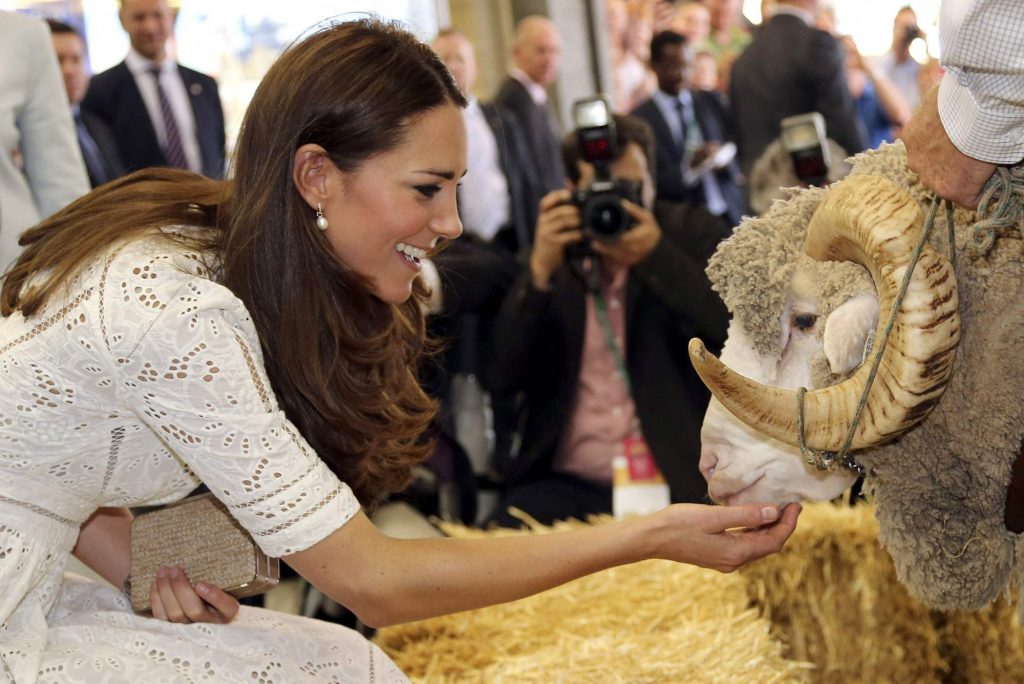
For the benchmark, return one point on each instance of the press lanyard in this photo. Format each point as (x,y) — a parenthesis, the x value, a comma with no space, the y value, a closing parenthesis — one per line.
(609,338)
(637,484)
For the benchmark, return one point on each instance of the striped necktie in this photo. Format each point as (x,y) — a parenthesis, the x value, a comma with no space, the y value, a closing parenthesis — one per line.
(173,149)
(689,142)
(684,127)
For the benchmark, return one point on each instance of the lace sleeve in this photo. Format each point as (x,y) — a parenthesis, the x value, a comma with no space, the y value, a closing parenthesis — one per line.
(189,363)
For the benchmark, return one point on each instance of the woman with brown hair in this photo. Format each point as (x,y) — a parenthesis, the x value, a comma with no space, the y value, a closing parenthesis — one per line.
(261,336)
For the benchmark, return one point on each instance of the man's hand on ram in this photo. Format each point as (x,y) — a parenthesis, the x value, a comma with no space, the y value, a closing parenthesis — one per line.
(943,168)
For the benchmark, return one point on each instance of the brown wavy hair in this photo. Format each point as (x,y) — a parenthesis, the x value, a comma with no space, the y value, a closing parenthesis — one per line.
(341,361)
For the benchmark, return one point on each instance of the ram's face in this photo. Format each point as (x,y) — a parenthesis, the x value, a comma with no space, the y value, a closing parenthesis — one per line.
(743,466)
(855,398)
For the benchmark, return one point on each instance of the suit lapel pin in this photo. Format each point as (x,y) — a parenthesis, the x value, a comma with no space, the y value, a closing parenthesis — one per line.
(196,89)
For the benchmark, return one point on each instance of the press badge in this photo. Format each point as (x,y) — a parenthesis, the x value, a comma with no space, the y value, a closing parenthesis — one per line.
(638,487)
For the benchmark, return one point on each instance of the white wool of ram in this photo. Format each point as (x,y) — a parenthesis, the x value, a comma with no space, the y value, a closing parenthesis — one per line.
(939,470)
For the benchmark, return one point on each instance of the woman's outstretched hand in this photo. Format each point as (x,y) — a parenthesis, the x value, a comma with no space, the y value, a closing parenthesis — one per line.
(175,599)
(723,538)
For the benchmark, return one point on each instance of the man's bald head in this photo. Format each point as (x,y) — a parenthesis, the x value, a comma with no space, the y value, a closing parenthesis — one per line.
(806,5)
(537,49)
(455,50)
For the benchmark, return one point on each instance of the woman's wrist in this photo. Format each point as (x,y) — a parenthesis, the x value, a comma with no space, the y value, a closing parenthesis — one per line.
(646,536)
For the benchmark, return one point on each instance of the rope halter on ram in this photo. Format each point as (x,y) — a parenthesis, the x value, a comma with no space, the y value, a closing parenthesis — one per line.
(1002,205)
(871,221)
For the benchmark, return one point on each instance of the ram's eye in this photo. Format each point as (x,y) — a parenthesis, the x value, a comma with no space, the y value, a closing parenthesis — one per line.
(805,321)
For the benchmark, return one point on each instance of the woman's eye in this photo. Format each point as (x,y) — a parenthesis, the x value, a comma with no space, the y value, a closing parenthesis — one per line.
(805,321)
(428,191)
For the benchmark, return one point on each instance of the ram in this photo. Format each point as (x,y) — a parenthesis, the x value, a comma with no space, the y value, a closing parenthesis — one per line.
(928,394)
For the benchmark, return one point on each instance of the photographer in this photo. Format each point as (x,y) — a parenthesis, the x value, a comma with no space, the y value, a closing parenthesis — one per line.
(897,64)
(594,337)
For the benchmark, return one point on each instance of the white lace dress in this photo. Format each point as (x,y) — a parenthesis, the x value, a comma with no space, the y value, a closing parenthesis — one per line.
(143,380)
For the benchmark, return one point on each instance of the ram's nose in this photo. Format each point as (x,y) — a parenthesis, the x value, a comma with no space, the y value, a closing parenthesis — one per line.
(708,462)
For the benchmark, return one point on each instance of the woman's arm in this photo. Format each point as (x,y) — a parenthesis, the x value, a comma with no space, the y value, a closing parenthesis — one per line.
(104,544)
(386,581)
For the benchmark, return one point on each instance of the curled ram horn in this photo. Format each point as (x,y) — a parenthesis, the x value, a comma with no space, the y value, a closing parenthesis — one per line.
(869,220)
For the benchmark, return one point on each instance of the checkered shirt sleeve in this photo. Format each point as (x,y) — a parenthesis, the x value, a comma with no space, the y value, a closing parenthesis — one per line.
(981,96)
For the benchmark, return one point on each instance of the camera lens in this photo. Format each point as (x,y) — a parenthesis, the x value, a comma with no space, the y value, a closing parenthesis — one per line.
(606,217)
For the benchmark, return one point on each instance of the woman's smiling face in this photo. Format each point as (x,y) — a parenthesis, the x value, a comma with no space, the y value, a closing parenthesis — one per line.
(387,215)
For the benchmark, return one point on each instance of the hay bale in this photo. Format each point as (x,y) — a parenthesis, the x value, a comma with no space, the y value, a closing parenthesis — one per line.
(833,598)
(828,608)
(985,646)
(654,621)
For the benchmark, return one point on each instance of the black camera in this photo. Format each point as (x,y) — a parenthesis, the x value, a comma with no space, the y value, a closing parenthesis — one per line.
(601,209)
(910,34)
(600,203)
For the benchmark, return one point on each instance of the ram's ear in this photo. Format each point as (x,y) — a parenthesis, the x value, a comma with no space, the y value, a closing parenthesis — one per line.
(847,330)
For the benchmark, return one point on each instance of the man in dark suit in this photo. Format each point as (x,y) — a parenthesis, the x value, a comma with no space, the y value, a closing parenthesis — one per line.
(791,68)
(497,207)
(97,142)
(523,185)
(498,195)
(163,114)
(690,128)
(535,54)
(592,384)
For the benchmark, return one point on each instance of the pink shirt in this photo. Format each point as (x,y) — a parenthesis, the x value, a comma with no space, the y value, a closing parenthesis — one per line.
(603,414)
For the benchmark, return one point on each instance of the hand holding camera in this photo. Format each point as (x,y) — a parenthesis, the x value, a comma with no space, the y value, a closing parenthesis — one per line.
(560,229)
(558,226)
(633,246)
(912,33)
(603,216)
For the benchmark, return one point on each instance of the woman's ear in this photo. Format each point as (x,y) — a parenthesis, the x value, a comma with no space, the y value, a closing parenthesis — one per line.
(310,170)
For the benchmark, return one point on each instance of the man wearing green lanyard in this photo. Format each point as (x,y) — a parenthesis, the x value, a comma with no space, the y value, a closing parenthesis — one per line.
(595,345)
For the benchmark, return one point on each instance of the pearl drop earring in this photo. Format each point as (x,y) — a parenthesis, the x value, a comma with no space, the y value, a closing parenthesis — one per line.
(321,220)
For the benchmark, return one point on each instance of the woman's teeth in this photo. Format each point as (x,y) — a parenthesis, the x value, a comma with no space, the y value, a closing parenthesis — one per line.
(411,253)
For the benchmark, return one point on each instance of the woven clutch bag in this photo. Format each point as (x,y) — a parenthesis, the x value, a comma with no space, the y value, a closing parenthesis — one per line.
(199,535)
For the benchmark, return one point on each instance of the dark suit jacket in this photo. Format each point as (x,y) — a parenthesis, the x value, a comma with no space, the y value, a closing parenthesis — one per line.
(715,122)
(474,279)
(106,141)
(668,301)
(540,129)
(524,186)
(790,68)
(114,98)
